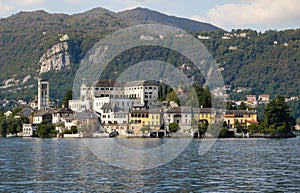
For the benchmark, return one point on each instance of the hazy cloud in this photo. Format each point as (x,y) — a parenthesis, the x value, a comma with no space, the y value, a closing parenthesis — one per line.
(72,1)
(30,2)
(257,12)
(4,9)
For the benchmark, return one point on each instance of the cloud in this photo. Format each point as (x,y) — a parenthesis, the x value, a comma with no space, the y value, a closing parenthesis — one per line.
(256,12)
(72,1)
(30,2)
(4,9)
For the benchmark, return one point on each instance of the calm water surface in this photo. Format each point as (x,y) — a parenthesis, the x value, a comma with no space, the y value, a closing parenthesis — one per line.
(232,165)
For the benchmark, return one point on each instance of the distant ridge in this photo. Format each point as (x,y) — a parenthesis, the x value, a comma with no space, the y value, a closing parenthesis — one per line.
(145,16)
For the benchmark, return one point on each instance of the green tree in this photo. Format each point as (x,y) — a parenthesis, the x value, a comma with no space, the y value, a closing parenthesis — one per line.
(277,116)
(242,106)
(173,127)
(3,125)
(202,127)
(67,97)
(46,130)
(14,126)
(172,96)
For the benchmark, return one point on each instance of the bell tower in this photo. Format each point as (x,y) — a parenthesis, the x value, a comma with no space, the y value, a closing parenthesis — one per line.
(43,94)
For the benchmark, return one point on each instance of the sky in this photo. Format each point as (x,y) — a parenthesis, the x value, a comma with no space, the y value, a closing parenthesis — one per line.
(260,15)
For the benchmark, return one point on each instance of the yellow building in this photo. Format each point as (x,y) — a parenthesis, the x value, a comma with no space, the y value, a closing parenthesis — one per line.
(140,117)
(208,114)
(245,117)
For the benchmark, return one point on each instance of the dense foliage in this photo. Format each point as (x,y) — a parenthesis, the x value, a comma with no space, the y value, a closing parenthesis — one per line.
(277,118)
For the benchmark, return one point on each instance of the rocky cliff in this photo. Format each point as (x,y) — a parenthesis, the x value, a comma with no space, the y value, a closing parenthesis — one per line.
(56,58)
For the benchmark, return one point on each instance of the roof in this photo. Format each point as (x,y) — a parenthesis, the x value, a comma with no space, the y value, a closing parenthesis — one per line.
(204,110)
(240,112)
(86,115)
(141,83)
(106,83)
(107,106)
(63,110)
(42,112)
(25,112)
(180,110)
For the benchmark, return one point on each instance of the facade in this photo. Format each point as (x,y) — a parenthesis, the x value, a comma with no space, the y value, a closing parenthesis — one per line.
(42,116)
(43,94)
(28,130)
(61,114)
(94,95)
(244,117)
(181,115)
(142,117)
(208,114)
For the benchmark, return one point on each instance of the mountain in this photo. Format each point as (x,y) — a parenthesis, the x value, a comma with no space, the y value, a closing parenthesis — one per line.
(146,16)
(34,42)
(39,44)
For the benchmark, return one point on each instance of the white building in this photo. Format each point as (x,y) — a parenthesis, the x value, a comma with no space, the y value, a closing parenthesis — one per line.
(124,94)
(28,130)
(181,115)
(41,116)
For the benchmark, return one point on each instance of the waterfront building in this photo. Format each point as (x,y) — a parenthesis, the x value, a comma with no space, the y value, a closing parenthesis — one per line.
(145,120)
(244,117)
(28,130)
(182,115)
(208,114)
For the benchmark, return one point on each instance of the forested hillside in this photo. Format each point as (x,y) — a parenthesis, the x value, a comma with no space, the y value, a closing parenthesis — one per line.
(261,62)
(26,36)
(256,62)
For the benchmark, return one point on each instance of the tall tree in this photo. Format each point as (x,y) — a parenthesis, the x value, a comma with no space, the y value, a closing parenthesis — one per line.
(277,115)
(67,97)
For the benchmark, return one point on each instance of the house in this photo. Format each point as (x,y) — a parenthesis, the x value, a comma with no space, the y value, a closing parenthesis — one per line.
(8,113)
(263,98)
(42,116)
(182,115)
(25,112)
(207,114)
(61,114)
(244,117)
(88,122)
(28,130)
(34,104)
(142,117)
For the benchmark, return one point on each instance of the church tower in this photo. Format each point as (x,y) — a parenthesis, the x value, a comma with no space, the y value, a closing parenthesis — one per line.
(43,94)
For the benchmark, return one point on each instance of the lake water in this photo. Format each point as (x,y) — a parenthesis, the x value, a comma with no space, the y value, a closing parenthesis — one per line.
(231,165)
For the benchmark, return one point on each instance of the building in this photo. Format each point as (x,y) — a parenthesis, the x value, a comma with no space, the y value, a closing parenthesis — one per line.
(43,94)
(42,116)
(142,118)
(244,117)
(208,114)
(60,115)
(183,116)
(263,98)
(94,95)
(88,122)
(28,130)
(25,112)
